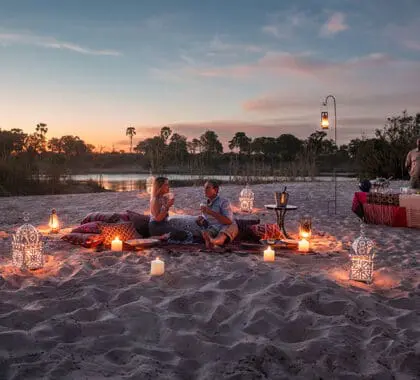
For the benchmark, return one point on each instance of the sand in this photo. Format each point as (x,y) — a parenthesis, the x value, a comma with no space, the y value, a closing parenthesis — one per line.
(96,315)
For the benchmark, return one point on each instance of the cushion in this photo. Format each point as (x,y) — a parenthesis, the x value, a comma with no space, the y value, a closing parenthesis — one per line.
(85,240)
(185,223)
(88,228)
(124,216)
(245,232)
(107,217)
(266,231)
(124,230)
(140,222)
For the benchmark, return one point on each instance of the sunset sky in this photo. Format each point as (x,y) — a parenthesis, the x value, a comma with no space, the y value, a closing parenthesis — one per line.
(94,67)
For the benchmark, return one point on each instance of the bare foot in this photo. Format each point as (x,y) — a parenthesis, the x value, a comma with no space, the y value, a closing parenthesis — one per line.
(207,239)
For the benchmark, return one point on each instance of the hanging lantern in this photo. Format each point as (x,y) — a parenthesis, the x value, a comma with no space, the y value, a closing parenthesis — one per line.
(27,247)
(246,199)
(53,223)
(362,258)
(282,198)
(305,228)
(324,120)
(149,183)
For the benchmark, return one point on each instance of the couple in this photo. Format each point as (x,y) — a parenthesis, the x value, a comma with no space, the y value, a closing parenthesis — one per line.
(216,219)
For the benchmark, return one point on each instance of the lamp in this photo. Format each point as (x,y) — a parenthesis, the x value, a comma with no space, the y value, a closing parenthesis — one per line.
(324,120)
(27,247)
(362,258)
(53,222)
(246,199)
(282,198)
(305,228)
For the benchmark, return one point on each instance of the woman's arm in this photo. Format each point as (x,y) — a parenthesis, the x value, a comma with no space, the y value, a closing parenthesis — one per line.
(159,213)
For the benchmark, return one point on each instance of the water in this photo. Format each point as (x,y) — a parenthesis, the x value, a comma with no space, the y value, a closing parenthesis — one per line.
(133,182)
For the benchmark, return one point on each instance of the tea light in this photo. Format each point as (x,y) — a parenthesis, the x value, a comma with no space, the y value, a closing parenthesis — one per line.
(157,267)
(303,245)
(116,245)
(269,254)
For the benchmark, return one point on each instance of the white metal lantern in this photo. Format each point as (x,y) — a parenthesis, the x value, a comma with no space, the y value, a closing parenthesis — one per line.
(246,199)
(362,258)
(27,247)
(149,183)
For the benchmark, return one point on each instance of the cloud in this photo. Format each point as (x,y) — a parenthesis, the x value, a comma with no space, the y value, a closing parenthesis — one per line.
(284,25)
(413,45)
(335,24)
(7,39)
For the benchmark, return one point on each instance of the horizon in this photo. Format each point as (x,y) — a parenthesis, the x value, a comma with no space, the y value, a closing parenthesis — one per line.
(94,69)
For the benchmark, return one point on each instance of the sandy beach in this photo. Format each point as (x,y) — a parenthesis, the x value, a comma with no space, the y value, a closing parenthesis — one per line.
(99,315)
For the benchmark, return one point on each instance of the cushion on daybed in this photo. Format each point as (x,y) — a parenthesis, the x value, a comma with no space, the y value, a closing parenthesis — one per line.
(107,217)
(124,230)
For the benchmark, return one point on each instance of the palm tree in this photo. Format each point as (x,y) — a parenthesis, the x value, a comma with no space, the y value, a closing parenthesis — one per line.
(130,131)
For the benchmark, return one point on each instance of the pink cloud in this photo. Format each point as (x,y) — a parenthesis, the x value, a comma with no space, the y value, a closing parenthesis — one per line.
(413,45)
(335,24)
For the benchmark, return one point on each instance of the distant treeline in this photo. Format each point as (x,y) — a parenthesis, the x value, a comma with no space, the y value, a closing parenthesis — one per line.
(34,164)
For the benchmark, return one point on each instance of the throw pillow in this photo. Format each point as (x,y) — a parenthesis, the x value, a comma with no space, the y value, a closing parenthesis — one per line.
(125,231)
(140,222)
(244,227)
(88,228)
(266,231)
(185,223)
(85,240)
(107,217)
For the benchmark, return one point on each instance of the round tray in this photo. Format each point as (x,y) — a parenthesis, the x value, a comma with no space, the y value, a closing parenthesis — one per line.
(142,243)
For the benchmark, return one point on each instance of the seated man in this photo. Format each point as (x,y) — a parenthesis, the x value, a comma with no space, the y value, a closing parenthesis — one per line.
(412,163)
(216,218)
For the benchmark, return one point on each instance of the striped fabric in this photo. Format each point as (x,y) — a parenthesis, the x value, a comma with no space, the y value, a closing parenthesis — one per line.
(412,206)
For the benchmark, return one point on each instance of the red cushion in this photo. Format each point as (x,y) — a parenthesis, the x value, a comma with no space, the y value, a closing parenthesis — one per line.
(125,231)
(85,240)
(88,228)
(107,217)
(266,231)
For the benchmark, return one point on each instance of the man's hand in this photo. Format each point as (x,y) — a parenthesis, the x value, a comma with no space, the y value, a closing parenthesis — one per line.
(200,221)
(205,210)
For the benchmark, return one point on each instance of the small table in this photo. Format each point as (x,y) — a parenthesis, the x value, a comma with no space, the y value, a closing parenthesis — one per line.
(281,213)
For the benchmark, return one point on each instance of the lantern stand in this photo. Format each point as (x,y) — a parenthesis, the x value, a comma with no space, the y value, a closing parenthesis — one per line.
(323,114)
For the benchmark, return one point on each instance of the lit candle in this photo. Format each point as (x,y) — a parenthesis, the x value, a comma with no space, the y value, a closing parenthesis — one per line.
(157,267)
(116,244)
(269,254)
(303,245)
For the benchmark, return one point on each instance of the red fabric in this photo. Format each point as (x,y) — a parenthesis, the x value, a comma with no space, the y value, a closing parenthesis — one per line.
(88,228)
(266,231)
(394,216)
(359,199)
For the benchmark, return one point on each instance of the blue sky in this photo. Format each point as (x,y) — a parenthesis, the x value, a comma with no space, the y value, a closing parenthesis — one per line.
(93,67)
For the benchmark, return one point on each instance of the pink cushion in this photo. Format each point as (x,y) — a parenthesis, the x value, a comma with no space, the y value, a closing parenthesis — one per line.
(88,228)
(107,217)
(266,231)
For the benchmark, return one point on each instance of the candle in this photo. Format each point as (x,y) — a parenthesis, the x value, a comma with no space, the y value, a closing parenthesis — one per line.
(116,244)
(157,267)
(269,254)
(303,245)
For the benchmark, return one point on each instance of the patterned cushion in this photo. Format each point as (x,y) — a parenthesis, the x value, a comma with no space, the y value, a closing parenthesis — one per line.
(185,223)
(88,228)
(244,226)
(383,199)
(141,222)
(85,240)
(125,231)
(107,217)
(266,231)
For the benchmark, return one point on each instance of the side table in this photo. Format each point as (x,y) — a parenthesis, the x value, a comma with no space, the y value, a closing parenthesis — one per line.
(281,214)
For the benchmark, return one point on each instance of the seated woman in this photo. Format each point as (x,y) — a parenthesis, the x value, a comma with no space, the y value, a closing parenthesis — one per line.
(160,203)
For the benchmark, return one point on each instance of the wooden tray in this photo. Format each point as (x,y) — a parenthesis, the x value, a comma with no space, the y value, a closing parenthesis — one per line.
(142,243)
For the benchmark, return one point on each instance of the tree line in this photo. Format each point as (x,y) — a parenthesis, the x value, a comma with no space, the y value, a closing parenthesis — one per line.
(32,163)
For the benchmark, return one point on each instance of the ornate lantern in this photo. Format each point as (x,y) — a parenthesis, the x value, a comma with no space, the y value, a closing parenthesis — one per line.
(305,228)
(53,223)
(282,198)
(324,120)
(246,199)
(362,258)
(149,183)
(27,247)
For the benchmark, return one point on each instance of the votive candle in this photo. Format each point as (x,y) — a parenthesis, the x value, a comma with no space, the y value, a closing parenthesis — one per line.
(116,245)
(268,254)
(157,267)
(303,245)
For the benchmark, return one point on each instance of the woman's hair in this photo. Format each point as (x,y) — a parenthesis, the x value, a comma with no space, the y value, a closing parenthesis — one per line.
(158,183)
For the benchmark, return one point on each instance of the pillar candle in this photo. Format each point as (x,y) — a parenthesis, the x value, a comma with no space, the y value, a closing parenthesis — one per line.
(303,245)
(116,244)
(269,254)
(157,267)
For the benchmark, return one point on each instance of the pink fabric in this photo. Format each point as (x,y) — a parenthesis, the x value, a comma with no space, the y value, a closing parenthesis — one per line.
(88,228)
(394,216)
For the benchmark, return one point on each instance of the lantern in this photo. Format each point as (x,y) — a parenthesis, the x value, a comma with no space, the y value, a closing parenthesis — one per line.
(27,247)
(246,199)
(53,222)
(305,228)
(281,198)
(149,183)
(324,120)
(362,258)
